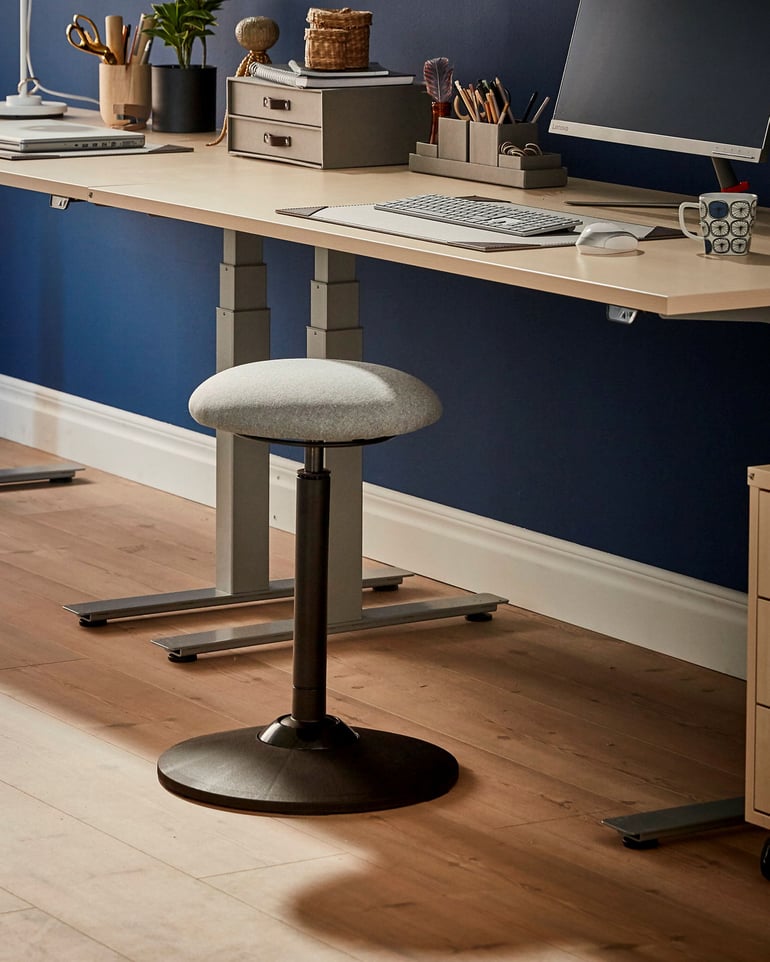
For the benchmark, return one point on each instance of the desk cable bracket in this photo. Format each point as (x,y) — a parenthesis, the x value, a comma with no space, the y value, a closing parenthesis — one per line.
(621,315)
(60,202)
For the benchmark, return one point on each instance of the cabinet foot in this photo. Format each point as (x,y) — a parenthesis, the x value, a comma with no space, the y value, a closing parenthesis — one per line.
(764,859)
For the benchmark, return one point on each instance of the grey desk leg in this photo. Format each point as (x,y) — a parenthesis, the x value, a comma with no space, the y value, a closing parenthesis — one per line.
(243,468)
(334,332)
(49,472)
(243,479)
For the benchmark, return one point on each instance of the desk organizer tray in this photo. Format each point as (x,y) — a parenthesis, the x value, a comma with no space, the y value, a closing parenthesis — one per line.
(471,151)
(329,127)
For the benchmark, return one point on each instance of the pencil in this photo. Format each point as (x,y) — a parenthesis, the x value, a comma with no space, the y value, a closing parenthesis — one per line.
(465,99)
(540,109)
(506,103)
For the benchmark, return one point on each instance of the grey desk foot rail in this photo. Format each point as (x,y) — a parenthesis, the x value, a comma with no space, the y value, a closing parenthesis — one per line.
(182,648)
(49,472)
(95,613)
(646,829)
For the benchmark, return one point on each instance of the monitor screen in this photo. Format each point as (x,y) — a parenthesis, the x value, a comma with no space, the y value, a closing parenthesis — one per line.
(683,75)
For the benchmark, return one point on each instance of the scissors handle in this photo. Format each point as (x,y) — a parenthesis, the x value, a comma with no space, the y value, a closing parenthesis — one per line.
(78,36)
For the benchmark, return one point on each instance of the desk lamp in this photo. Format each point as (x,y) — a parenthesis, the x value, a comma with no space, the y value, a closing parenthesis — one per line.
(24,104)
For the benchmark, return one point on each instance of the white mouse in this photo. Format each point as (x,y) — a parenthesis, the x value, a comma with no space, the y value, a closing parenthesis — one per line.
(604,237)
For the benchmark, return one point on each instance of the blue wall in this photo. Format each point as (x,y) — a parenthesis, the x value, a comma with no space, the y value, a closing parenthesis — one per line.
(633,440)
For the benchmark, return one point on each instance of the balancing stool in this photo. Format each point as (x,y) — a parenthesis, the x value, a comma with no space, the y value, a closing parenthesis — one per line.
(308,762)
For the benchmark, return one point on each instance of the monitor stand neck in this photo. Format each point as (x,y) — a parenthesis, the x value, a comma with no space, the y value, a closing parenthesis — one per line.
(726,176)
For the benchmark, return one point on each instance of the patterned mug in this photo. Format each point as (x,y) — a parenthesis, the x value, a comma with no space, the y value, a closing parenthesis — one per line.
(726,220)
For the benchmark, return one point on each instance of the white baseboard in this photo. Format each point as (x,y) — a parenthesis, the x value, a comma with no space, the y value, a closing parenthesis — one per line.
(131,446)
(699,622)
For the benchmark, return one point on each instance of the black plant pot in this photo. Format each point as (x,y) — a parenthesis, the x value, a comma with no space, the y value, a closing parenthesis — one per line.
(184,99)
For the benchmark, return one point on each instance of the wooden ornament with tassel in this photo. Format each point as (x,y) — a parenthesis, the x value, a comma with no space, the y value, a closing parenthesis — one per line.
(257,35)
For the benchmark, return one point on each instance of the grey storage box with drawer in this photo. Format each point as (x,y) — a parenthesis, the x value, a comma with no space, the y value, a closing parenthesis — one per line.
(331,127)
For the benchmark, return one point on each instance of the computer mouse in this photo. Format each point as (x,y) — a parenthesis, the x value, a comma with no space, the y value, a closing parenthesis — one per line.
(604,237)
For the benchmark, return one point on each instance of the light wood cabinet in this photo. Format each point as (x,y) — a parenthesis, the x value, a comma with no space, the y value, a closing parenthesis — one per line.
(758,657)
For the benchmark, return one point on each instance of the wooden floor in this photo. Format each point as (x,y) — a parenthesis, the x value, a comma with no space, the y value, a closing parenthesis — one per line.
(554,728)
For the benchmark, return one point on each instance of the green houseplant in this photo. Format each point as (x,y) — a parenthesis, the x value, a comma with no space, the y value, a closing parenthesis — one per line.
(184,94)
(181,22)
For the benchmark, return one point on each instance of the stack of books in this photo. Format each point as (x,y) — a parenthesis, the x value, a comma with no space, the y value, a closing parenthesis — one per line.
(294,74)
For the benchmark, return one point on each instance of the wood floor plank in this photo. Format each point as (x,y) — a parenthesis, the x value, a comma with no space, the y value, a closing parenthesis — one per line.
(100,886)
(118,794)
(557,669)
(554,728)
(542,737)
(385,914)
(35,935)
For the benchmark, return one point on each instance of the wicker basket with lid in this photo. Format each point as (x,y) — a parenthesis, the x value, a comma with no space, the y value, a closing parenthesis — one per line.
(337,39)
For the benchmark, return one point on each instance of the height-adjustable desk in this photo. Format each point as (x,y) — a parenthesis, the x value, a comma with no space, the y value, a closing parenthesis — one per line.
(241,196)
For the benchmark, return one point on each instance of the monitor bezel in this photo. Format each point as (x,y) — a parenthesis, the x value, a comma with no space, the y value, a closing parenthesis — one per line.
(716,150)
(683,145)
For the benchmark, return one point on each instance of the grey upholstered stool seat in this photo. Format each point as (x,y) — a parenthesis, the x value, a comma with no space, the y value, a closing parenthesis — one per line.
(308,762)
(314,400)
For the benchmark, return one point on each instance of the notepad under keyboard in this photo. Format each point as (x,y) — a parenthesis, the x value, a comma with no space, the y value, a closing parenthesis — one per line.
(487,215)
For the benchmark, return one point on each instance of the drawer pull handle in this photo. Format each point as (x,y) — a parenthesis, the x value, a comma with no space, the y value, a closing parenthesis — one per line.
(273,103)
(273,140)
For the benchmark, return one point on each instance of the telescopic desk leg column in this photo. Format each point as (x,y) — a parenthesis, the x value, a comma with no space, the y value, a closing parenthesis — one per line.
(335,332)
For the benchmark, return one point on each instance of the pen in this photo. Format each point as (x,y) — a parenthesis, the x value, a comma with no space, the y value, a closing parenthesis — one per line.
(530,105)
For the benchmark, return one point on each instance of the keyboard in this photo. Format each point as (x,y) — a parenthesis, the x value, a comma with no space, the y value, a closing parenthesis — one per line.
(487,215)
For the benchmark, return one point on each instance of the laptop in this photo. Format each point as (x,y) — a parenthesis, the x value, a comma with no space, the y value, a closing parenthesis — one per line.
(39,136)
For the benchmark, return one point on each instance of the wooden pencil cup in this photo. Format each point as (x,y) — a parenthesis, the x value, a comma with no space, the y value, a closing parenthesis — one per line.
(125,95)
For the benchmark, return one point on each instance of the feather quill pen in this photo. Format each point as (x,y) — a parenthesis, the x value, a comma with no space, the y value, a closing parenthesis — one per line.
(438,74)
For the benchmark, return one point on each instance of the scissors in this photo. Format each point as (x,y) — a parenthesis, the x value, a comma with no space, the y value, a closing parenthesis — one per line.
(88,40)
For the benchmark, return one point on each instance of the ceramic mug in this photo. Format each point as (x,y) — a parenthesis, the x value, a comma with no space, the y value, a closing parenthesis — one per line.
(726,220)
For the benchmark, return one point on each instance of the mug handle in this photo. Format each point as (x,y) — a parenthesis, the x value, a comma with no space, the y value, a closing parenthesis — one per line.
(685,231)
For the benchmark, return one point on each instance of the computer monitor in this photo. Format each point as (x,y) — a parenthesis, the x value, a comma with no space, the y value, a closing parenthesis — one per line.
(683,75)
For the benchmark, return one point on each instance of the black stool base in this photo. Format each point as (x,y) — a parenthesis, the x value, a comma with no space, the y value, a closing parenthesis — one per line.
(372,772)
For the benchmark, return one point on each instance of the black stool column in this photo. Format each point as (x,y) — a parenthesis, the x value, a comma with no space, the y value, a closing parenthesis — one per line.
(308,726)
(311,581)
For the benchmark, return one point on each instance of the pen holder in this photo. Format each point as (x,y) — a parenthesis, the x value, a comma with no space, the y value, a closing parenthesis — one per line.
(452,138)
(125,95)
(485,140)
